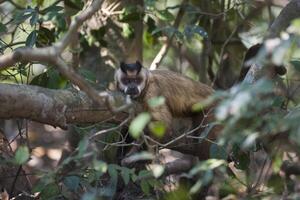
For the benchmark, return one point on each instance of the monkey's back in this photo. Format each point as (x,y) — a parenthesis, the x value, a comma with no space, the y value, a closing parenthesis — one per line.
(181,92)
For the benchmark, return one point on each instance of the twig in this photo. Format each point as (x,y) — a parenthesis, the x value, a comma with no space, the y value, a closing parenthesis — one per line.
(108,130)
(182,135)
(164,49)
(52,54)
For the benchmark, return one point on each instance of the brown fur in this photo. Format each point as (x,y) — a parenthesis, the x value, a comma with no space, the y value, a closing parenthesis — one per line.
(180,93)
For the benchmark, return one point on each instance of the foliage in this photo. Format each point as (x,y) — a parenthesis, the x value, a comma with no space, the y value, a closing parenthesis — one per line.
(259,120)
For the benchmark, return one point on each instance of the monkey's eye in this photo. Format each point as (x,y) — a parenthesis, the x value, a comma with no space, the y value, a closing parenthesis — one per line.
(125,81)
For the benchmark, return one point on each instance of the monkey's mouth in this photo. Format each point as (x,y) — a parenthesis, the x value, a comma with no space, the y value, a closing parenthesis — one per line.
(132,92)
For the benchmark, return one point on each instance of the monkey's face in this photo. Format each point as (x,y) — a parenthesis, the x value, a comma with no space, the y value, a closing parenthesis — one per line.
(131,78)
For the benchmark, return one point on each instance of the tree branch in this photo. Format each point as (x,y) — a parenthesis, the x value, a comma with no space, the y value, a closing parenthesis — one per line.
(290,12)
(52,54)
(164,49)
(54,107)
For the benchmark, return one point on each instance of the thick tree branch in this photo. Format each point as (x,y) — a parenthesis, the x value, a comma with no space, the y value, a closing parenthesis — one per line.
(54,107)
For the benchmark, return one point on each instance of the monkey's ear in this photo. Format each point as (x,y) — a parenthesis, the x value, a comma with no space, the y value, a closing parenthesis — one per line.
(139,66)
(123,67)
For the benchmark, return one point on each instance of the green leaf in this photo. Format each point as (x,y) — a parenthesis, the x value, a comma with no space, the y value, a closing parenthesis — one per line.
(21,16)
(145,187)
(138,124)
(90,196)
(144,173)
(158,128)
(156,101)
(197,107)
(209,164)
(157,170)
(3,28)
(217,152)
(296,64)
(22,155)
(53,8)
(88,75)
(125,173)
(277,183)
(112,170)
(31,39)
(50,191)
(100,166)
(128,31)
(34,18)
(82,146)
(130,13)
(71,182)
(208,176)
(191,31)
(164,15)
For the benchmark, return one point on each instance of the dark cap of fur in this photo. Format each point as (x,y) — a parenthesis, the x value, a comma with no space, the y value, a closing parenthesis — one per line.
(137,66)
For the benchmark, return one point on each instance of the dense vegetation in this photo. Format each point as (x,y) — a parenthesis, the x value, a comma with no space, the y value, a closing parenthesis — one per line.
(57,56)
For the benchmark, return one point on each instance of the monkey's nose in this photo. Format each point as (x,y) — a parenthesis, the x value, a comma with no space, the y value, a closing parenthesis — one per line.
(132,91)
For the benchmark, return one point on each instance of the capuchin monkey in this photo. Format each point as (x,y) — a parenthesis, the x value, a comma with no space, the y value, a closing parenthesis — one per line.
(180,93)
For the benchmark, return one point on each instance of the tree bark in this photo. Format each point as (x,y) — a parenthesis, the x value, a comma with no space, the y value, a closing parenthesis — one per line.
(53,107)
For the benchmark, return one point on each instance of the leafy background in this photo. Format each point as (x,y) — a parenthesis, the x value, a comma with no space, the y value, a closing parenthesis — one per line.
(261,134)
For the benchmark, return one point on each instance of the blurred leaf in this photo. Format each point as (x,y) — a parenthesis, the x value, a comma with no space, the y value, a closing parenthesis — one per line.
(217,152)
(208,176)
(277,183)
(111,188)
(23,15)
(138,124)
(31,39)
(45,37)
(50,191)
(156,101)
(158,128)
(242,161)
(151,25)
(250,141)
(296,64)
(209,164)
(130,13)
(53,8)
(168,30)
(197,107)
(87,74)
(22,155)
(55,80)
(164,15)
(3,28)
(144,173)
(71,182)
(157,170)
(40,80)
(145,187)
(90,196)
(128,31)
(34,18)
(125,173)
(190,31)
(100,166)
(82,146)
(38,2)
